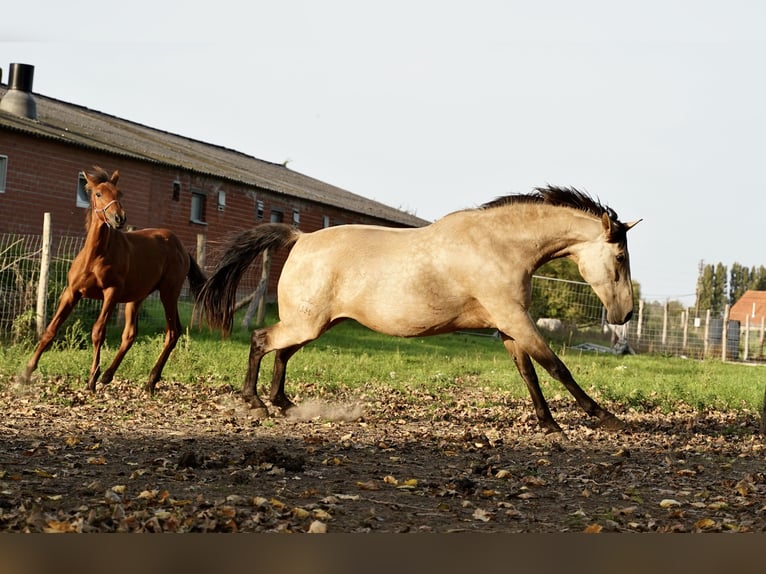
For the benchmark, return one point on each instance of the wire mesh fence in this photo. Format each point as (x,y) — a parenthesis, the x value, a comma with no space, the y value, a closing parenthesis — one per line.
(558,305)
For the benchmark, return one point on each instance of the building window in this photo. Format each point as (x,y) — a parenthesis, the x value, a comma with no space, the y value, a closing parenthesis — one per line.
(296,218)
(3,171)
(176,190)
(325,221)
(81,197)
(259,210)
(198,206)
(221,200)
(276,216)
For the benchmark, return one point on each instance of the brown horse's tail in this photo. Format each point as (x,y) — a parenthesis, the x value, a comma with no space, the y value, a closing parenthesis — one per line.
(217,297)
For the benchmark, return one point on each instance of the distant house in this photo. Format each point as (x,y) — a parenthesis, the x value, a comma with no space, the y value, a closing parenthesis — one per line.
(750,307)
(197,189)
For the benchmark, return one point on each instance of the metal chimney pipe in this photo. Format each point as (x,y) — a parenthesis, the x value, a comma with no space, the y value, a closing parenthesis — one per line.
(18,100)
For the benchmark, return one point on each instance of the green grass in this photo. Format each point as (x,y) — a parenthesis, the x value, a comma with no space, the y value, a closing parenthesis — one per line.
(350,356)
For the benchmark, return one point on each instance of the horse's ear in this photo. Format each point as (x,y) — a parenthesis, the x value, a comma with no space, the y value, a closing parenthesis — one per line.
(115,177)
(609,226)
(631,224)
(89,182)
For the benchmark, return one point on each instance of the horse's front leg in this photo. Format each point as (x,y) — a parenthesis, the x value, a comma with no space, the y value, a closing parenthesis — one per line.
(98,334)
(529,340)
(529,375)
(67,302)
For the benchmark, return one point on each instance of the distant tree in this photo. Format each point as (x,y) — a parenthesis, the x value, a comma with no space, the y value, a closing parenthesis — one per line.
(712,288)
(719,289)
(739,282)
(561,268)
(758,278)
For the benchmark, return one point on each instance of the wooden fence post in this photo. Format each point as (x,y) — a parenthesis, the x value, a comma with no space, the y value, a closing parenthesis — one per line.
(746,353)
(201,255)
(707,334)
(665,327)
(265,268)
(640,325)
(42,285)
(725,333)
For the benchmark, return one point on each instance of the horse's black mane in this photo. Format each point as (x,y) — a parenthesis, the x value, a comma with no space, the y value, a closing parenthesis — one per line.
(99,174)
(554,195)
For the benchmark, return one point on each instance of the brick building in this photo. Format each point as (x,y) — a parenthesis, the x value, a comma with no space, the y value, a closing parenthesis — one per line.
(195,188)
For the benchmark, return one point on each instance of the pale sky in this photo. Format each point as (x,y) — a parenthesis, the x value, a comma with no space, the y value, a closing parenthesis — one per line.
(657,108)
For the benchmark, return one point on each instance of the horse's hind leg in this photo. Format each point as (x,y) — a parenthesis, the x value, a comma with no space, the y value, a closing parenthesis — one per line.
(277,395)
(128,337)
(258,349)
(98,334)
(172,334)
(67,302)
(527,371)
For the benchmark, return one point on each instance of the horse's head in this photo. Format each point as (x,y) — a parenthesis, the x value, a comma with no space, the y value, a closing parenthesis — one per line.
(604,263)
(105,197)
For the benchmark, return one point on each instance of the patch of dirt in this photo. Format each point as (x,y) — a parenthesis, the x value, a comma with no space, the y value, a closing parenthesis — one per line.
(193,459)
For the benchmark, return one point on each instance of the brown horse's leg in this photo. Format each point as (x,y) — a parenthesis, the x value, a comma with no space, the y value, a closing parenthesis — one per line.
(172,334)
(98,334)
(277,396)
(128,337)
(67,302)
(527,371)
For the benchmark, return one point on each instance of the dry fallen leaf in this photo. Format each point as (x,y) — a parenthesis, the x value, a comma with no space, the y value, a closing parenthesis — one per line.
(481,514)
(593,529)
(317,527)
(704,523)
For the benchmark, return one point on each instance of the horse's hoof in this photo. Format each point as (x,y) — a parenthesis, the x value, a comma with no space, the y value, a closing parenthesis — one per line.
(259,413)
(611,423)
(283,404)
(550,427)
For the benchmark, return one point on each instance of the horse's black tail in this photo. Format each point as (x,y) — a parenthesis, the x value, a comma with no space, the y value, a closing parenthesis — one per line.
(217,297)
(196,277)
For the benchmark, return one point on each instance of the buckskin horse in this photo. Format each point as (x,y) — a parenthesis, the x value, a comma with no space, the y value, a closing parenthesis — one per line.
(122,267)
(471,269)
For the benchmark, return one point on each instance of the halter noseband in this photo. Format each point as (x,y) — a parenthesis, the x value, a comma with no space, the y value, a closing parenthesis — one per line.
(102,211)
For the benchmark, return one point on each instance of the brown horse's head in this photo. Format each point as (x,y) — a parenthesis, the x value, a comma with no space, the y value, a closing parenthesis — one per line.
(105,197)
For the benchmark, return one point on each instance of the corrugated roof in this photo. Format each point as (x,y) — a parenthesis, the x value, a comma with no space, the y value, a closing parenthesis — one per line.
(81,126)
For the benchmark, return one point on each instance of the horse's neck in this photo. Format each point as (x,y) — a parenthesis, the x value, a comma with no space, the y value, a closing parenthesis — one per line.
(98,236)
(545,233)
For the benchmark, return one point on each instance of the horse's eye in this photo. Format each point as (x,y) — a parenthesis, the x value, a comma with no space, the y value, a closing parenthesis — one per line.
(98,194)
(621,258)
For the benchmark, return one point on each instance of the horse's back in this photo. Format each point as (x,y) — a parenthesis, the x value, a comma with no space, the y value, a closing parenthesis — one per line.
(400,281)
(157,258)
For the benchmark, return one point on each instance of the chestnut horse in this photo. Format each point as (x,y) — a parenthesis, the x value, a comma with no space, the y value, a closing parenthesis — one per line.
(120,267)
(471,269)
